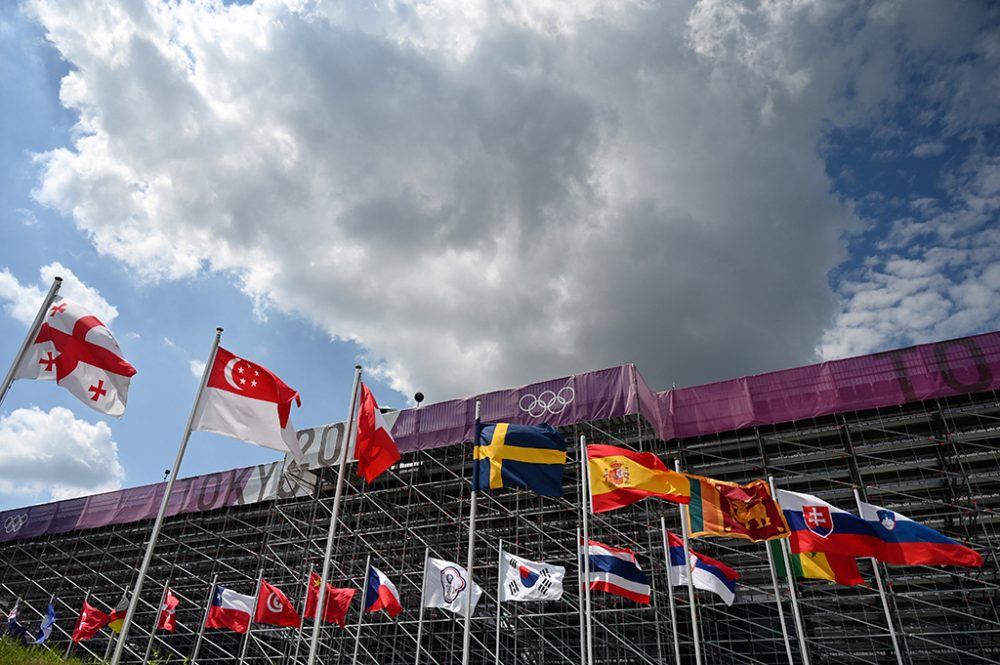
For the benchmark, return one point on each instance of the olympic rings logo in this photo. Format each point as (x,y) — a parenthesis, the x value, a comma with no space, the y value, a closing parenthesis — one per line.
(547,402)
(14,523)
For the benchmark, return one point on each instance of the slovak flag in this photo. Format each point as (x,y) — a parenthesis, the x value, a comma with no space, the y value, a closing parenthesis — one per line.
(274,608)
(229,610)
(707,573)
(248,402)
(375,449)
(616,570)
(78,352)
(381,594)
(907,543)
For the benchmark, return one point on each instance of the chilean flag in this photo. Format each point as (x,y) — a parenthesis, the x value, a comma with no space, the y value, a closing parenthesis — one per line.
(229,610)
(375,449)
(615,570)
(706,573)
(381,594)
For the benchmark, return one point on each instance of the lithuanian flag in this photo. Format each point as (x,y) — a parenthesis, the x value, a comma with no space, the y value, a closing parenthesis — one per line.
(818,566)
(719,508)
(619,477)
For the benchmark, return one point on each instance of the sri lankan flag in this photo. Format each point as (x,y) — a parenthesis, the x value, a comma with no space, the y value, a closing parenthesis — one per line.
(818,566)
(619,477)
(748,511)
(508,455)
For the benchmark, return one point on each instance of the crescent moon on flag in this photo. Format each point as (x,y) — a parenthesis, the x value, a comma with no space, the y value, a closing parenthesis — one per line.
(228,373)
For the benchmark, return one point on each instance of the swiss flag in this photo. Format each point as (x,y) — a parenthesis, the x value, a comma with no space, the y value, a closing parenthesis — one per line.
(248,402)
(168,613)
(375,449)
(89,622)
(338,601)
(78,352)
(274,608)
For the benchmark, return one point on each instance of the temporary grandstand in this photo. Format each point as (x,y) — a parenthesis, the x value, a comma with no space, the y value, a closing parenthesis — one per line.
(915,430)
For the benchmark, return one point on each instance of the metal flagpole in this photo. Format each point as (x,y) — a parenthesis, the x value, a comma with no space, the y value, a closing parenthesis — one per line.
(585,508)
(253,617)
(305,600)
(777,601)
(420,617)
(137,591)
(467,635)
(670,590)
(496,657)
(881,592)
(793,592)
(361,613)
(204,619)
(156,622)
(334,514)
(29,339)
(579,579)
(685,530)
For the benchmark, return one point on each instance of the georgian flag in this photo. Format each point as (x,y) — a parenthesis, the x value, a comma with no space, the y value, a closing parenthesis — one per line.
(522,579)
(78,352)
(248,402)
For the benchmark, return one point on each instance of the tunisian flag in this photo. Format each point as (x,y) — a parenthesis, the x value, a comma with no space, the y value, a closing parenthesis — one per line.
(168,613)
(274,608)
(338,601)
(78,352)
(89,622)
(248,402)
(375,448)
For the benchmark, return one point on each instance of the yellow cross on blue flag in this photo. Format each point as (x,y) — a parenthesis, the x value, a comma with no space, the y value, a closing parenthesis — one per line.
(508,455)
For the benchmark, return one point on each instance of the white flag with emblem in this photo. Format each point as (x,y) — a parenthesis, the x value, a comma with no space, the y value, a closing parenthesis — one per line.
(78,352)
(529,580)
(446,585)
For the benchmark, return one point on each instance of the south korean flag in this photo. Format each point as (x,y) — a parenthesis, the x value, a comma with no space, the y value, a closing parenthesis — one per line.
(521,579)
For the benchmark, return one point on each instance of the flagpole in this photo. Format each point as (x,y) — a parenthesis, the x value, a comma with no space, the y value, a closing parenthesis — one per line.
(361,614)
(420,618)
(204,619)
(585,508)
(305,600)
(467,635)
(792,589)
(253,617)
(156,622)
(777,601)
(670,590)
(137,591)
(685,530)
(579,579)
(334,514)
(496,657)
(881,592)
(29,339)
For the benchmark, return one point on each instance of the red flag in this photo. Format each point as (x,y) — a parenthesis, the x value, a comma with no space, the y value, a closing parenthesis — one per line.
(90,621)
(168,613)
(375,449)
(273,608)
(338,601)
(248,402)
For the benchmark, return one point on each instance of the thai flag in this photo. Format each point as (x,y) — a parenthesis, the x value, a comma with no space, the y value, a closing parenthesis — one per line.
(381,594)
(706,573)
(229,610)
(615,570)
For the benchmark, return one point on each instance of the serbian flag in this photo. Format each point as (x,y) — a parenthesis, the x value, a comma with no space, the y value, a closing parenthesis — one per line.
(381,594)
(167,620)
(89,622)
(375,449)
(229,610)
(248,402)
(619,477)
(906,543)
(78,352)
(336,605)
(706,573)
(616,570)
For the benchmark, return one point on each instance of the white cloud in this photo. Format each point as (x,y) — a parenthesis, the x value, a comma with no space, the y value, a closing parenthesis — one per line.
(23,300)
(197,368)
(929,149)
(53,455)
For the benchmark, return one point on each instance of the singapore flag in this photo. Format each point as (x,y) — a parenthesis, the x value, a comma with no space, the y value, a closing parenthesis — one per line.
(78,352)
(248,402)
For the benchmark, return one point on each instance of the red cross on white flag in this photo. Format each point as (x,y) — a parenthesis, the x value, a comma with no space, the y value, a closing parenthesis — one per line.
(78,352)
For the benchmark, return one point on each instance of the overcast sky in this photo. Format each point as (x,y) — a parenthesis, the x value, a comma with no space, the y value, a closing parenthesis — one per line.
(469,195)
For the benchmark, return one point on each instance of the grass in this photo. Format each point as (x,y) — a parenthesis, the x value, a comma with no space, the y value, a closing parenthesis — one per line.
(12,653)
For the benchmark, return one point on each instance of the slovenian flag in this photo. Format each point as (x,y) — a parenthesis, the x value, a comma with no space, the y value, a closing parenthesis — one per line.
(616,570)
(706,573)
(381,594)
(229,610)
(906,543)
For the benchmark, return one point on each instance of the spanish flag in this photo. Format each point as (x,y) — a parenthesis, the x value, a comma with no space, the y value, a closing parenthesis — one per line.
(619,477)
(818,566)
(718,508)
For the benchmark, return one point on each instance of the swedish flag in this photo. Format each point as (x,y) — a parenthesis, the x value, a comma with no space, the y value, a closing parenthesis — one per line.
(525,456)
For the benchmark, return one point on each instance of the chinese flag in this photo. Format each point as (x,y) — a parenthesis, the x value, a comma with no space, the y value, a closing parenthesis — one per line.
(375,449)
(274,608)
(90,621)
(338,601)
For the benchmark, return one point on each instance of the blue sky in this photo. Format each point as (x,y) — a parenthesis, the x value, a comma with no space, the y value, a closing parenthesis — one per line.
(469,195)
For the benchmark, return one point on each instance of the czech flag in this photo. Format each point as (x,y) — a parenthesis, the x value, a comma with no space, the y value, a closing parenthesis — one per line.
(229,610)
(381,594)
(616,570)
(706,573)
